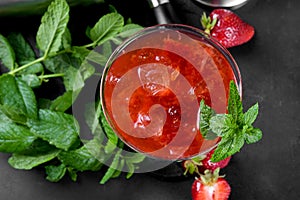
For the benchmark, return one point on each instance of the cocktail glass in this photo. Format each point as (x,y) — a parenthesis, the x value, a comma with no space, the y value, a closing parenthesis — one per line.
(152,86)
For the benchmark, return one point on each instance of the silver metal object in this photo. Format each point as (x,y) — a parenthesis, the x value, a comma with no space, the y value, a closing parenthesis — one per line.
(161,11)
(223,3)
(156,3)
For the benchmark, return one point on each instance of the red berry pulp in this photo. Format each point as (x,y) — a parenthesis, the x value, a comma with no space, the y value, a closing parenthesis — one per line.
(152,90)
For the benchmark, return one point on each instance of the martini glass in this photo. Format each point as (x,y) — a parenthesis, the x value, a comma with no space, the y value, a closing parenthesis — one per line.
(152,86)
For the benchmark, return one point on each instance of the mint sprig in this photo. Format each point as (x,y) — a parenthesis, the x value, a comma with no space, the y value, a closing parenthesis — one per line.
(42,132)
(234,128)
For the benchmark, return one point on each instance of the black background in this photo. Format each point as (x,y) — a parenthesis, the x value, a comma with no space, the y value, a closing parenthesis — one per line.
(269,64)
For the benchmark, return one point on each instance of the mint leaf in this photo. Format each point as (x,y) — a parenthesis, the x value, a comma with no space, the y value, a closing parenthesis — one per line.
(95,148)
(9,93)
(221,124)
(13,113)
(55,173)
(75,72)
(113,138)
(112,169)
(22,49)
(206,114)
(72,173)
(235,107)
(91,115)
(117,172)
(66,39)
(19,161)
(7,55)
(73,79)
(17,98)
(253,135)
(14,138)
(86,70)
(106,50)
(107,27)
(63,102)
(31,80)
(4,117)
(28,98)
(57,128)
(129,29)
(59,63)
(134,158)
(80,52)
(131,169)
(109,147)
(82,159)
(24,54)
(228,146)
(96,57)
(52,28)
(44,103)
(38,147)
(251,114)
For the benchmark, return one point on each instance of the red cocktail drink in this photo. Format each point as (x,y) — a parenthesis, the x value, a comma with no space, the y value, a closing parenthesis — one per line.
(153,84)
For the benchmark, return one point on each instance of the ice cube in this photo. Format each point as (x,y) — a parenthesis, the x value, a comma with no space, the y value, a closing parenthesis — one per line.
(154,77)
(154,125)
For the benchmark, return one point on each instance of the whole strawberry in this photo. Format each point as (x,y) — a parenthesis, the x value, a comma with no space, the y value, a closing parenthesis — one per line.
(210,186)
(227,28)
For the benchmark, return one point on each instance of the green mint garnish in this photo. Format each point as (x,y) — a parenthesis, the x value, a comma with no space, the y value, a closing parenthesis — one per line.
(41,132)
(235,128)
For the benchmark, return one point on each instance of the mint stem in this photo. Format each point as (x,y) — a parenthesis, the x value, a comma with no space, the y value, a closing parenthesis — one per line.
(38,60)
(27,65)
(89,45)
(51,76)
